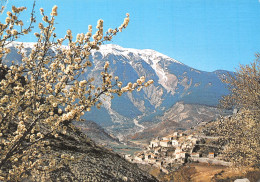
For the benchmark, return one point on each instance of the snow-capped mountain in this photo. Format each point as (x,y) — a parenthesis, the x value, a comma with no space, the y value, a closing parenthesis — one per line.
(173,82)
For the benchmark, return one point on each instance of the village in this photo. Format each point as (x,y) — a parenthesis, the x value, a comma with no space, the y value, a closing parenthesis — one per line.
(174,150)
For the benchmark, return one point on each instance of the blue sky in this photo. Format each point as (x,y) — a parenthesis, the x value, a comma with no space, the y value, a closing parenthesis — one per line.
(204,34)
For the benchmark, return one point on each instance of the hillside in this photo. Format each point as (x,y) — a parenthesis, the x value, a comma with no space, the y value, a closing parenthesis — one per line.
(180,117)
(95,163)
(96,133)
(90,162)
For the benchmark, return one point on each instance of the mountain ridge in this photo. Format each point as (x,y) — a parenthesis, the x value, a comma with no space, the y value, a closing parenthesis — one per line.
(173,82)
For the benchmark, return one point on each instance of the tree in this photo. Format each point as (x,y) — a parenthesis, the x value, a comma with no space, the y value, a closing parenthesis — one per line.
(40,97)
(244,87)
(241,132)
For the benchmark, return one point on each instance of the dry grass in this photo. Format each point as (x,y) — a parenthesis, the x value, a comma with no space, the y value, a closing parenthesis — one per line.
(205,172)
(201,172)
(216,173)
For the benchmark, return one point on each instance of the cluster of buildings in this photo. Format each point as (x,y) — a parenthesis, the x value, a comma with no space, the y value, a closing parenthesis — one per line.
(169,150)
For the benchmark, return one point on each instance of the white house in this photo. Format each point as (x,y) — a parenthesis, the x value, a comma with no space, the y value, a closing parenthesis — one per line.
(157,150)
(165,143)
(195,155)
(190,137)
(211,155)
(154,143)
(153,161)
(177,150)
(174,143)
(139,158)
(153,156)
(166,138)
(128,157)
(184,145)
(183,155)
(147,156)
(177,155)
(194,141)
(171,137)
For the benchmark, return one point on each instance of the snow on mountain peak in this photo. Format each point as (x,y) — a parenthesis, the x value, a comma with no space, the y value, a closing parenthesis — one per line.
(26,44)
(143,53)
(106,49)
(151,57)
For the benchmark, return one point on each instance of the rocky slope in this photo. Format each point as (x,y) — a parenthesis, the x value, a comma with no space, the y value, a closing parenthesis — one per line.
(90,162)
(93,163)
(96,133)
(180,117)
